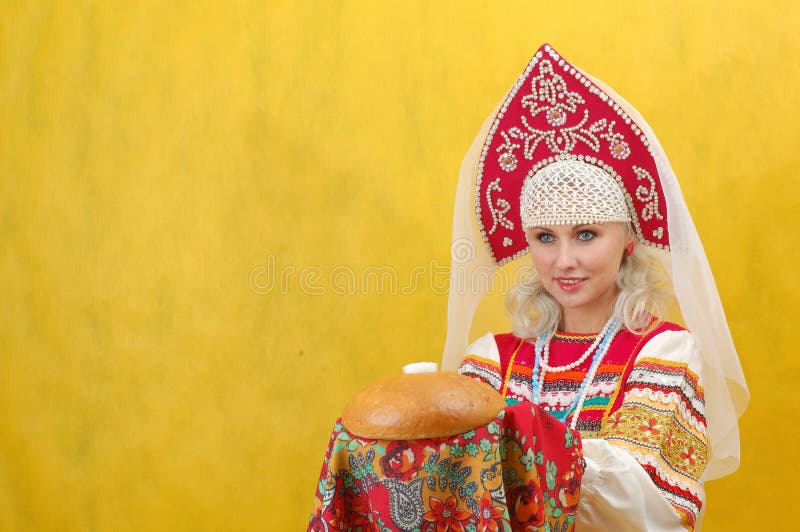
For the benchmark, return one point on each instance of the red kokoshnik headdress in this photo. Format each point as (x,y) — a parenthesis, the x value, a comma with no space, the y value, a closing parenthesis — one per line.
(554,112)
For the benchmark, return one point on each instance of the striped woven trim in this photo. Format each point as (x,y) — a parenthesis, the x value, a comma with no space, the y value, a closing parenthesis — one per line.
(482,369)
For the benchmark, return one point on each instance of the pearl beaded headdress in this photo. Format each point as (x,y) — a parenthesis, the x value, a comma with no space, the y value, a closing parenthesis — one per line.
(553,113)
(571,192)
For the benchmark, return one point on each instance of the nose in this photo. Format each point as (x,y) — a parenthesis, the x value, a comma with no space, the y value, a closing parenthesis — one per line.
(566,259)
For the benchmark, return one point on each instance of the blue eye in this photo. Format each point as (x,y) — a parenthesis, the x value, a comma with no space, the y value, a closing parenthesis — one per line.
(586,235)
(545,238)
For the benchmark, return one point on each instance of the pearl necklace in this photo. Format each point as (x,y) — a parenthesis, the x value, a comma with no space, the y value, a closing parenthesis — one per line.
(546,359)
(542,357)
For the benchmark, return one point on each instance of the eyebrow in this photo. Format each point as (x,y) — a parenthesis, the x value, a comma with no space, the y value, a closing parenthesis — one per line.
(574,227)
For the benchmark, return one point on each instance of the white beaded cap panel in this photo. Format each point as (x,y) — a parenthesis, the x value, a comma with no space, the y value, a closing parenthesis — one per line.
(571,192)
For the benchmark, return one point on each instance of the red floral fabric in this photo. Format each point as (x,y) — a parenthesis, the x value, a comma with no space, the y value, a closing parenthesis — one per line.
(522,471)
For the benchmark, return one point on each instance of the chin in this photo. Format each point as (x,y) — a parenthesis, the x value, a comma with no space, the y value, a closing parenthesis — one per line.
(571,301)
(573,305)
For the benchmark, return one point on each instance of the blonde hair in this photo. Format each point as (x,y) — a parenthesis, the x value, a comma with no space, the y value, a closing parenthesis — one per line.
(644,294)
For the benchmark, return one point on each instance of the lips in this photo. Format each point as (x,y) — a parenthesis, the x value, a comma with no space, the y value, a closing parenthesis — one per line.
(570,284)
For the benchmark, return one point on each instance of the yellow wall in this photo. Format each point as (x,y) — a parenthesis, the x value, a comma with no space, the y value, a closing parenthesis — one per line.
(155,160)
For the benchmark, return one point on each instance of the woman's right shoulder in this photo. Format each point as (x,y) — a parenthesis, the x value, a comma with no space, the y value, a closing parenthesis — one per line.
(508,342)
(484,347)
(488,357)
(494,346)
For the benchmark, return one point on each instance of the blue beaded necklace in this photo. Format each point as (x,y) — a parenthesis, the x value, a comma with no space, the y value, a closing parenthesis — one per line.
(577,401)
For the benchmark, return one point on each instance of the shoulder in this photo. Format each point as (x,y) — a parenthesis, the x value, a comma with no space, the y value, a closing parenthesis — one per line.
(484,347)
(671,348)
(494,347)
(507,343)
(488,357)
(661,328)
(668,340)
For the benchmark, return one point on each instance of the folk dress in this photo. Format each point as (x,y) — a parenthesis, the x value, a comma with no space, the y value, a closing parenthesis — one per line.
(642,426)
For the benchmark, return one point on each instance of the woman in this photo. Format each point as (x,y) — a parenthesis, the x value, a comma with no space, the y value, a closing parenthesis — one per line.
(567,170)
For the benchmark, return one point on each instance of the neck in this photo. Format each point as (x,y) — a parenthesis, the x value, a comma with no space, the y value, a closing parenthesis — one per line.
(584,321)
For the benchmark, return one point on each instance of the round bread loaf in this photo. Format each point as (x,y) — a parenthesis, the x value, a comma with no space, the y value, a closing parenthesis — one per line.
(421,405)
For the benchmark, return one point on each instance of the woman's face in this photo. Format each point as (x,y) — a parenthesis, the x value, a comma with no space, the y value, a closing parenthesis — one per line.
(578,266)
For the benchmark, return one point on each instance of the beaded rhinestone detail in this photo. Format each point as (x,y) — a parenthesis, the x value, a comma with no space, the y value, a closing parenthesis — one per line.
(571,192)
(498,208)
(555,113)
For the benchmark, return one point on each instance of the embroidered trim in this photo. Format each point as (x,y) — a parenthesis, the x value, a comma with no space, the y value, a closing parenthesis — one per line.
(481,368)
(672,453)
(572,337)
(662,378)
(664,475)
(686,504)
(689,415)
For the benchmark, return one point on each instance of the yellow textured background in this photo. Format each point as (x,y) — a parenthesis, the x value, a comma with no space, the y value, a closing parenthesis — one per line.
(161,163)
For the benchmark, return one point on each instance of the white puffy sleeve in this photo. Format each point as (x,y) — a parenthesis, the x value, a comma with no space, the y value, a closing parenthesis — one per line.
(482,362)
(644,470)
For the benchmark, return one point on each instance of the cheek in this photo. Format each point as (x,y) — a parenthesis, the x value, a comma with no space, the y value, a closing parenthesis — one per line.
(606,264)
(540,259)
